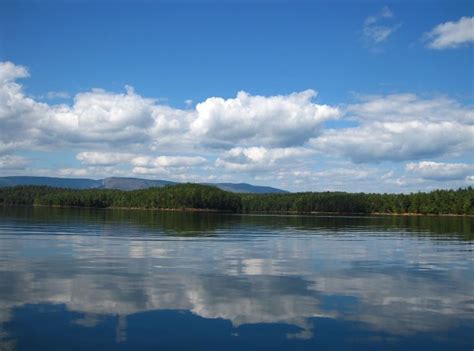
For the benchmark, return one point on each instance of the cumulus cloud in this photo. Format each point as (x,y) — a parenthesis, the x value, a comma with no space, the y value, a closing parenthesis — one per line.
(10,72)
(18,113)
(338,177)
(441,171)
(376,30)
(102,117)
(105,163)
(402,127)
(395,141)
(253,159)
(452,34)
(409,107)
(103,158)
(143,164)
(281,121)
(95,117)
(238,138)
(10,162)
(168,161)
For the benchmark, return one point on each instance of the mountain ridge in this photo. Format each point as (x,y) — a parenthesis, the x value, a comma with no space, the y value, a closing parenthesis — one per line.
(125,183)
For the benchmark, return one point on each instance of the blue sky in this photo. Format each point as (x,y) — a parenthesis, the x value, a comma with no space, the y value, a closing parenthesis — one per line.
(340,95)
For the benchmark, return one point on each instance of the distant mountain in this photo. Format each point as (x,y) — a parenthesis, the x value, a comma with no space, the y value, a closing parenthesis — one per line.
(125,184)
(133,183)
(75,183)
(247,188)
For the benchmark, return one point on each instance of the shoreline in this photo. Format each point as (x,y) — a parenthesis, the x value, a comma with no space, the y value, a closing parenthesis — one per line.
(388,214)
(191,209)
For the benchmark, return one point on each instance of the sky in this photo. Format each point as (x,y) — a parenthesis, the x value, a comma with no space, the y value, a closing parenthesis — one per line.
(354,96)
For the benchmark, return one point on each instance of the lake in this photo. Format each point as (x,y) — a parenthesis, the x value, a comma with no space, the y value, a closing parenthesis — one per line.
(77,279)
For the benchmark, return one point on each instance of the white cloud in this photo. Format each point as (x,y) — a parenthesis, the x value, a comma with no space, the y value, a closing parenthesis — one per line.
(103,158)
(383,141)
(282,121)
(410,107)
(346,174)
(18,113)
(142,163)
(248,136)
(10,162)
(9,72)
(441,171)
(150,171)
(253,159)
(168,161)
(375,30)
(101,116)
(451,34)
(7,146)
(378,34)
(111,119)
(338,177)
(73,172)
(384,13)
(402,127)
(95,117)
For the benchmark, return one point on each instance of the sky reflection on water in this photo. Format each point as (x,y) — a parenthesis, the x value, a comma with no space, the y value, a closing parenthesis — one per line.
(70,279)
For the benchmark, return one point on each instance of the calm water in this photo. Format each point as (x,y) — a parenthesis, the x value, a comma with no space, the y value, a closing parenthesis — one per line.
(144,280)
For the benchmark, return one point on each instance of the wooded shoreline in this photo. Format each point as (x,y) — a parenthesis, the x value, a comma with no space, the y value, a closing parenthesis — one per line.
(195,197)
(294,213)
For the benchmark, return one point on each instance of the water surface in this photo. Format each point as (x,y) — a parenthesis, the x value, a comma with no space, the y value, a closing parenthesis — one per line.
(150,280)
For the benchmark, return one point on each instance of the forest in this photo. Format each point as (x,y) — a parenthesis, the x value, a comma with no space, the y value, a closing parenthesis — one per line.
(182,196)
(206,197)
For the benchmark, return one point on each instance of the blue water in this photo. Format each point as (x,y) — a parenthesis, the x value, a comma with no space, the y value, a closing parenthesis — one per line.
(147,280)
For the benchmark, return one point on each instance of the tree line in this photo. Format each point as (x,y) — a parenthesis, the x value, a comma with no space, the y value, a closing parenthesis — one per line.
(169,197)
(197,196)
(459,201)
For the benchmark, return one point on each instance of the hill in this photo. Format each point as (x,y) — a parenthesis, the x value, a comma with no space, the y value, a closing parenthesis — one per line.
(248,188)
(73,183)
(120,183)
(133,183)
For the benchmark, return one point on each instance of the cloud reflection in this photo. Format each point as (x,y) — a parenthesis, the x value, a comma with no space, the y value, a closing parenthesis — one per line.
(247,274)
